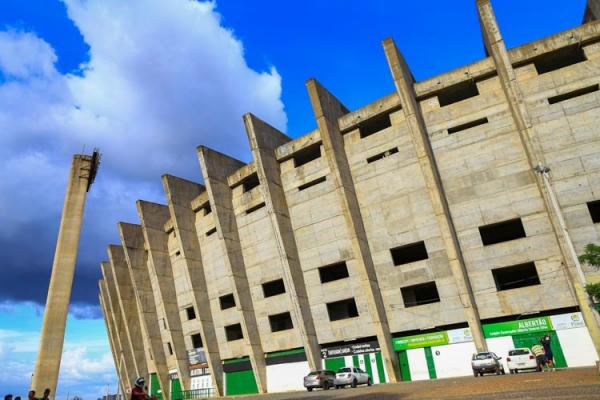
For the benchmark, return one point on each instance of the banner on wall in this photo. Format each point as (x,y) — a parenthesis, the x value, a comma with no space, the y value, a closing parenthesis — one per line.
(423,340)
(350,349)
(567,321)
(517,327)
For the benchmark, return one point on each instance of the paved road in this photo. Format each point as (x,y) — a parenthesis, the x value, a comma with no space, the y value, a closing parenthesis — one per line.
(574,383)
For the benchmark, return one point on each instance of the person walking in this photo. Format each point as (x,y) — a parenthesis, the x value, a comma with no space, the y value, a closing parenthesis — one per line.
(545,341)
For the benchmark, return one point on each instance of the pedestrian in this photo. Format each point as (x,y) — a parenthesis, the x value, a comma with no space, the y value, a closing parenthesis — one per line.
(138,392)
(545,341)
(46,394)
(31,395)
(18,398)
(8,397)
(540,356)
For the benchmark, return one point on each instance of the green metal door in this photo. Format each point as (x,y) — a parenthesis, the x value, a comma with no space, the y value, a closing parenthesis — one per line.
(404,368)
(155,386)
(335,363)
(176,390)
(240,382)
(430,363)
(529,339)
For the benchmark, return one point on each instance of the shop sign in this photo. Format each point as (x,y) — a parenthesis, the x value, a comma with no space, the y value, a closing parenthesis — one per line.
(350,349)
(460,335)
(424,340)
(196,356)
(199,372)
(509,328)
(567,321)
(173,375)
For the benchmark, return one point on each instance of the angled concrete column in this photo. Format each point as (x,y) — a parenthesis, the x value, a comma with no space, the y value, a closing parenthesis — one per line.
(404,83)
(110,333)
(592,10)
(119,324)
(327,110)
(264,139)
(535,157)
(180,194)
(128,307)
(132,239)
(153,217)
(216,167)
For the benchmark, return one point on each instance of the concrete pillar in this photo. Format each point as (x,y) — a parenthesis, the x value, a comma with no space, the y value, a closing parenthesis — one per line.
(153,217)
(264,139)
(128,308)
(216,167)
(327,110)
(180,194)
(47,365)
(535,156)
(404,83)
(119,323)
(132,239)
(110,334)
(592,10)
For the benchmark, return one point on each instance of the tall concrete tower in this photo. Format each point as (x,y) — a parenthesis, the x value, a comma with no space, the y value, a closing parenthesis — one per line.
(82,174)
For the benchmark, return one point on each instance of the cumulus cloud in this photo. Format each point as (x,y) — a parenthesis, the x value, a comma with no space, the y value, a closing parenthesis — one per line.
(161,78)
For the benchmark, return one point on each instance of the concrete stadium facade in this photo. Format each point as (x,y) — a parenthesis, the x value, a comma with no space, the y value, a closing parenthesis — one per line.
(402,237)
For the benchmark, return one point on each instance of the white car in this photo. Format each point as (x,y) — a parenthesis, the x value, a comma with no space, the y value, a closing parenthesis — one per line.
(351,376)
(521,359)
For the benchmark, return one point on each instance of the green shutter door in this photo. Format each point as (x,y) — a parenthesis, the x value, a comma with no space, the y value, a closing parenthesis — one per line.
(404,368)
(380,367)
(155,386)
(430,363)
(240,382)
(529,339)
(175,390)
(335,363)
(368,369)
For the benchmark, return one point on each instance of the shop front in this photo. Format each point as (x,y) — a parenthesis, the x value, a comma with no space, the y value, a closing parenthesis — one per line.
(286,370)
(365,355)
(239,377)
(175,385)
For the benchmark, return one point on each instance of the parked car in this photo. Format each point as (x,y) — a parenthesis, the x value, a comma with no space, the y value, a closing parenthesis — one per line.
(520,359)
(351,376)
(486,361)
(319,379)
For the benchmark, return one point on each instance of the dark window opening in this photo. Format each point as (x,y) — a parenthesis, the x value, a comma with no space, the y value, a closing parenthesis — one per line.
(467,125)
(594,209)
(333,272)
(191,313)
(385,154)
(502,231)
(417,295)
(573,94)
(211,231)
(455,93)
(409,253)
(273,288)
(516,276)
(559,58)
(307,154)
(177,253)
(281,322)
(342,309)
(233,332)
(255,208)
(374,124)
(205,208)
(197,341)
(227,301)
(170,348)
(250,182)
(312,183)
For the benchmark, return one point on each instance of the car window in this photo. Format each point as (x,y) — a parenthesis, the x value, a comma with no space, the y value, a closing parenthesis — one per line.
(344,370)
(482,356)
(518,352)
(314,373)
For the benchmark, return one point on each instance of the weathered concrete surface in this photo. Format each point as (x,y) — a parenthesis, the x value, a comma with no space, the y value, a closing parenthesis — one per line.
(110,330)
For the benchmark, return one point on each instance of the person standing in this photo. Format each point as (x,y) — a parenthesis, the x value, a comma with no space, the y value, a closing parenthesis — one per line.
(540,356)
(545,341)
(138,392)
(8,397)
(46,394)
(31,395)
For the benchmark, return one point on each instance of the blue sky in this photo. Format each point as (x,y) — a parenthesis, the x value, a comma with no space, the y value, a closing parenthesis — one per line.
(147,81)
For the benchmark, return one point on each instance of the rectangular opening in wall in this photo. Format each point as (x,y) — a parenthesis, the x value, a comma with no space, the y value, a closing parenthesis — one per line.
(417,295)
(342,309)
(573,94)
(468,125)
(333,272)
(204,209)
(227,301)
(250,182)
(455,93)
(233,332)
(594,209)
(307,154)
(559,58)
(273,288)
(211,231)
(177,253)
(502,231)
(516,276)
(374,124)
(281,322)
(409,253)
(312,183)
(196,341)
(255,208)
(191,313)
(170,348)
(379,156)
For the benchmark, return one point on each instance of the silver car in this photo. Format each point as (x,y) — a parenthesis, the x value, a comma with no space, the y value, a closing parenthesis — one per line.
(319,379)
(351,376)
(486,361)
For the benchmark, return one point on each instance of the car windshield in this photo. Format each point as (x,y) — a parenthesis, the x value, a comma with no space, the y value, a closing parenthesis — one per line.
(518,352)
(344,370)
(482,356)
(314,373)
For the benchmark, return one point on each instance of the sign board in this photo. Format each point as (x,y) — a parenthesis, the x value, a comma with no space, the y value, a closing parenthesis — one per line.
(424,340)
(509,328)
(196,356)
(350,349)
(567,321)
(460,335)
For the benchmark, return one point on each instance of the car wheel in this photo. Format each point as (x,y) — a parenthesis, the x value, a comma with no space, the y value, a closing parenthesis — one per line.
(481,374)
(516,371)
(475,374)
(354,383)
(498,371)
(369,383)
(309,389)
